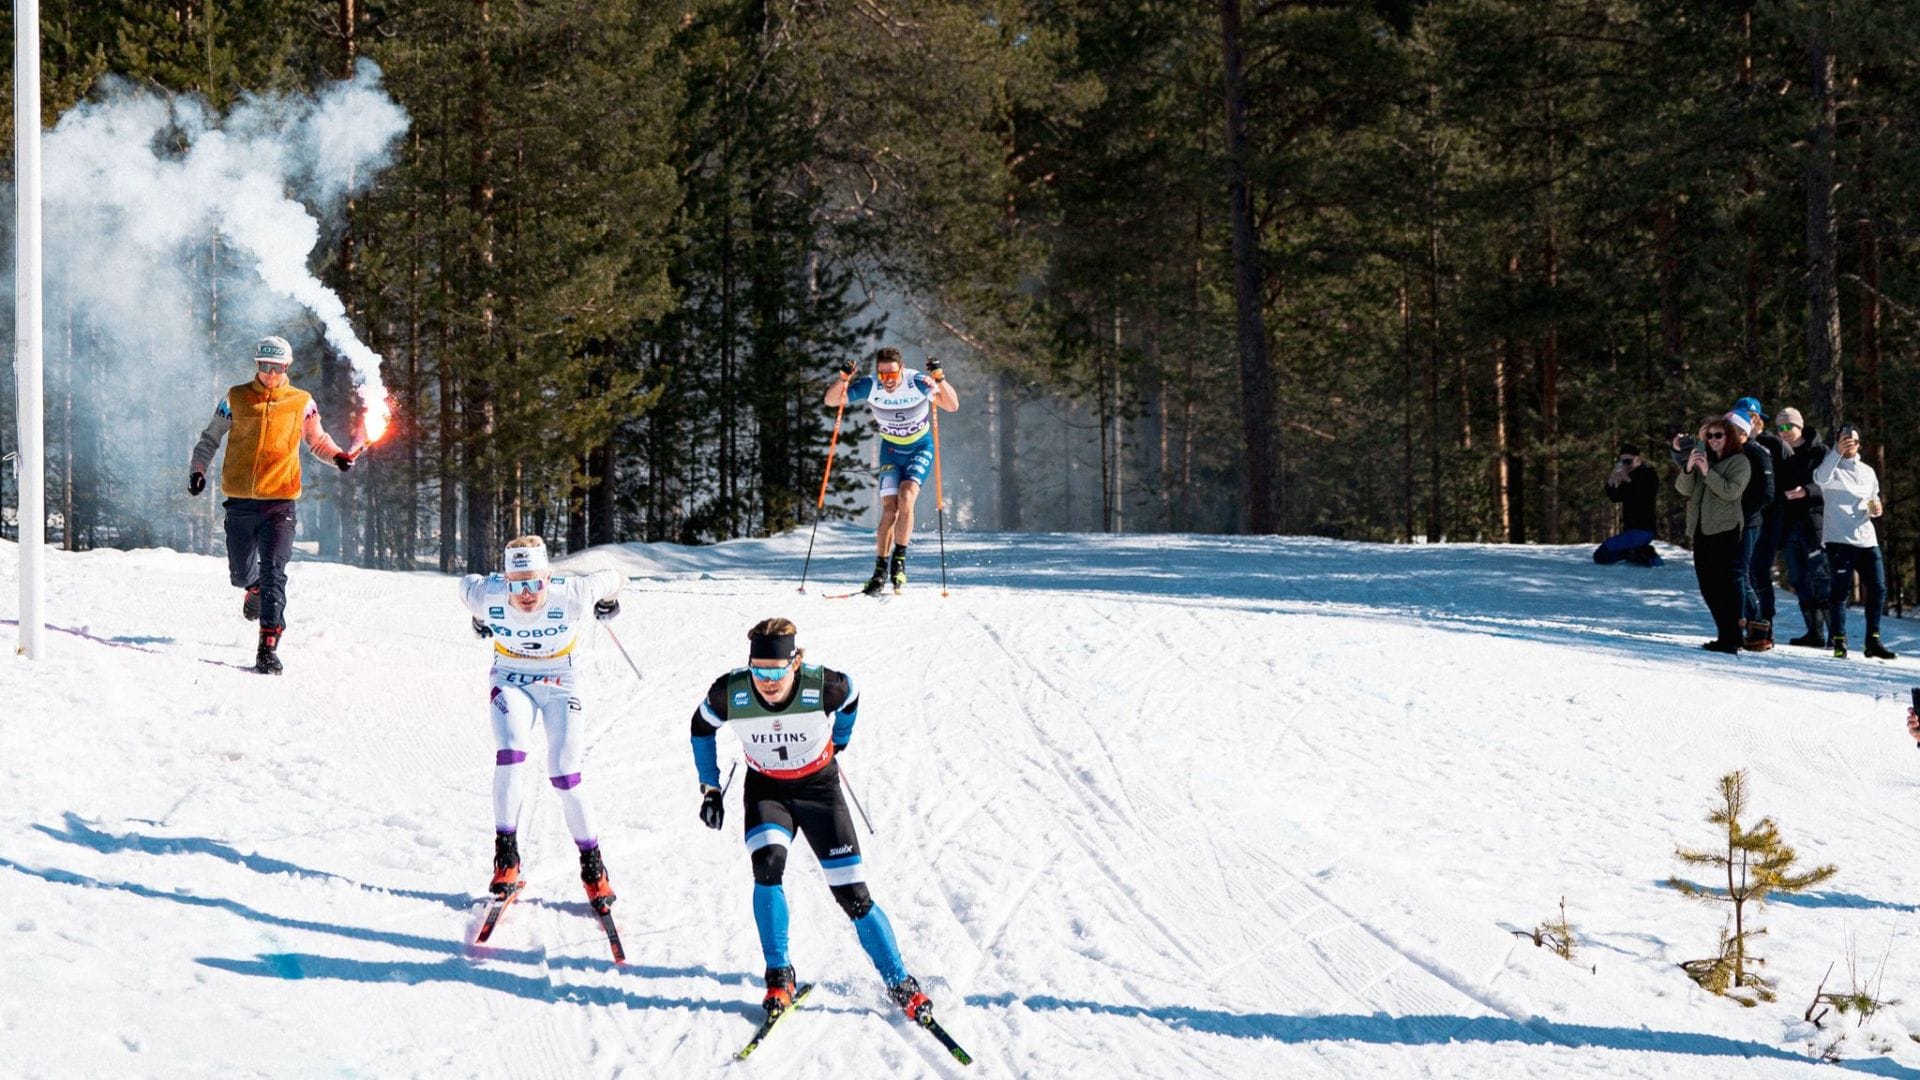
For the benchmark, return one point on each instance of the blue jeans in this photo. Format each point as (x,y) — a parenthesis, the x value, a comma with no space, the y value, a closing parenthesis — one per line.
(1625,547)
(1806,565)
(1762,545)
(1845,559)
(1749,596)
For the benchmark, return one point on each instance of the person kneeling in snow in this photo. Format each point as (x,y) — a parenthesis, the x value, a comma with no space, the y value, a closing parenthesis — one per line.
(1634,485)
(534,618)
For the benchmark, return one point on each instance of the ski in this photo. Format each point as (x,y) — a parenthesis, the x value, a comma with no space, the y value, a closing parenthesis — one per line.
(766,1026)
(960,1055)
(495,906)
(613,934)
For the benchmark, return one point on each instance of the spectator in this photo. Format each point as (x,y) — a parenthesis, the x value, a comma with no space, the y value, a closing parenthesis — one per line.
(1756,545)
(1852,493)
(1714,478)
(1634,485)
(1801,513)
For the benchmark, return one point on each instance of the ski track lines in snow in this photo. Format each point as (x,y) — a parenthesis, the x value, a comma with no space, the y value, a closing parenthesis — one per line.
(1173,806)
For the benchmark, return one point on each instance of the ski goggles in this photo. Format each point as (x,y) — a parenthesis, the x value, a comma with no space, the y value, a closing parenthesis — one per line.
(526,588)
(888,379)
(769,674)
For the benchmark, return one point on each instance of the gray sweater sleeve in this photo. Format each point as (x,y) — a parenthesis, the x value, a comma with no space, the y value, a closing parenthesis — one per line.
(209,443)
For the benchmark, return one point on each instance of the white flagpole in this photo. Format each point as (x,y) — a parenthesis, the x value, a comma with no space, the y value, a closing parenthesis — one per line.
(26,323)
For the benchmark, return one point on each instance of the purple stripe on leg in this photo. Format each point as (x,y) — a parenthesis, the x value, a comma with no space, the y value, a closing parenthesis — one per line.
(509,757)
(571,780)
(587,845)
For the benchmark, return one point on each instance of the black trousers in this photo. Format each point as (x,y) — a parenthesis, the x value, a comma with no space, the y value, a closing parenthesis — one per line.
(1720,567)
(259,543)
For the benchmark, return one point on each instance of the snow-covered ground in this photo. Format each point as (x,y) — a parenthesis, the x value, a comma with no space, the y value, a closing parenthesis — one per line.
(1144,806)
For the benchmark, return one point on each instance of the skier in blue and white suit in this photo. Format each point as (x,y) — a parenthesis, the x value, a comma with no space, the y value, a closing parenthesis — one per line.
(536,619)
(902,402)
(793,719)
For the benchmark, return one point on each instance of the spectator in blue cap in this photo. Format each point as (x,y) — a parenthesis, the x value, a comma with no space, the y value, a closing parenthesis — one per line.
(1761,541)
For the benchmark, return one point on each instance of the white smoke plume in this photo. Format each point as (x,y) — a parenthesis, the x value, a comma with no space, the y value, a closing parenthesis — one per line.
(139,189)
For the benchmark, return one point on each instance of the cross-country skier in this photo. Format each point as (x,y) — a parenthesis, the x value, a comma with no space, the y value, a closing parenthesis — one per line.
(268,419)
(535,619)
(793,719)
(902,402)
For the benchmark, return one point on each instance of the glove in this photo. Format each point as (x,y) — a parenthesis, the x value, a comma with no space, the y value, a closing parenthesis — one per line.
(196,483)
(713,808)
(933,370)
(839,748)
(343,460)
(846,369)
(605,610)
(481,630)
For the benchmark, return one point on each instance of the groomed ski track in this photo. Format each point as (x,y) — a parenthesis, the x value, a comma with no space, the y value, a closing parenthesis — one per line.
(1145,806)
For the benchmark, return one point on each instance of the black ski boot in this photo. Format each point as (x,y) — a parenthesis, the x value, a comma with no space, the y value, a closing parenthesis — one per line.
(1816,635)
(897,572)
(250,607)
(906,994)
(1877,651)
(1839,646)
(593,874)
(267,661)
(779,990)
(879,579)
(506,864)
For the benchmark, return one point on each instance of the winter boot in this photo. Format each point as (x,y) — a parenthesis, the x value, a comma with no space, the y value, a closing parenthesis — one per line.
(506,864)
(1759,635)
(1816,635)
(1877,651)
(593,874)
(897,572)
(267,660)
(879,579)
(906,994)
(250,607)
(1839,646)
(779,989)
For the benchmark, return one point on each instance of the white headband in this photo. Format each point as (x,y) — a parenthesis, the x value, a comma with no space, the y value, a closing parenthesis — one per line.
(526,558)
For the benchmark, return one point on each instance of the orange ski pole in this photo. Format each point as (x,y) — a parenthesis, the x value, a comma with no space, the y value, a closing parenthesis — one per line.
(939,500)
(821,502)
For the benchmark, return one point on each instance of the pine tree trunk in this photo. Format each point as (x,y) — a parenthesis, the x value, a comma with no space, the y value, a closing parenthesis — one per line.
(1749,222)
(1009,471)
(483,527)
(1827,406)
(1256,370)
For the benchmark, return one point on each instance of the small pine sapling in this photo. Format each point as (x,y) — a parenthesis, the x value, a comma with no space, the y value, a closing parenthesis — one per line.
(1555,934)
(1757,863)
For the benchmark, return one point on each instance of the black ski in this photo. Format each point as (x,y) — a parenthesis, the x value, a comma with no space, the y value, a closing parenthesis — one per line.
(494,907)
(960,1055)
(613,934)
(774,1017)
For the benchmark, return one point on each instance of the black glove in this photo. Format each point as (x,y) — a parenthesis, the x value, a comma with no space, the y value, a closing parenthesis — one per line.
(481,630)
(343,461)
(933,367)
(196,483)
(839,748)
(846,369)
(605,610)
(713,808)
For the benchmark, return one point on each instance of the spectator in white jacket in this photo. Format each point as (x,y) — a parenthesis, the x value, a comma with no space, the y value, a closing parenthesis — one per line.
(1852,494)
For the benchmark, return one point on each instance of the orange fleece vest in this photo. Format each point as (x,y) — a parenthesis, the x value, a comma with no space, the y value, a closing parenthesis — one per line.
(263,447)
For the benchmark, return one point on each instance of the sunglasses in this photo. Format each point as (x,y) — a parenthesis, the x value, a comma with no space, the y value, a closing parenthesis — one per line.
(527,587)
(270,367)
(1716,435)
(770,674)
(1787,427)
(1626,461)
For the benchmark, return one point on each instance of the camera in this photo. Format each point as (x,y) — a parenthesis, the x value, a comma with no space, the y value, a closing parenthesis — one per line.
(1687,444)
(1845,431)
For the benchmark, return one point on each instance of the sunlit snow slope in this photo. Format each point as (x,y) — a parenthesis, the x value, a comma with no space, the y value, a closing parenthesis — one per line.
(1145,806)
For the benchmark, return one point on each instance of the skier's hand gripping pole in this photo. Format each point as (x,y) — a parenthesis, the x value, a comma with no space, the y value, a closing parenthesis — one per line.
(846,377)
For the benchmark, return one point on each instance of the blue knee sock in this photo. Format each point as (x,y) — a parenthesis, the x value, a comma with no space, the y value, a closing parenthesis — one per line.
(770,915)
(876,936)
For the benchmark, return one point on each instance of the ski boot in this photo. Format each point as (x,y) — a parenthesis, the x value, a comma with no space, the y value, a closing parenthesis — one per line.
(267,660)
(250,606)
(1877,651)
(506,864)
(780,986)
(593,874)
(897,572)
(1816,635)
(879,579)
(1839,646)
(906,994)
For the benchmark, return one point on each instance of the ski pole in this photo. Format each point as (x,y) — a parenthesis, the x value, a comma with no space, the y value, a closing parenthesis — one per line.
(939,500)
(848,784)
(608,627)
(818,504)
(729,783)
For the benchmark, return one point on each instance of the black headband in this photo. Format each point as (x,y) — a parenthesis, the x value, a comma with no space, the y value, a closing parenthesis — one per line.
(771,646)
